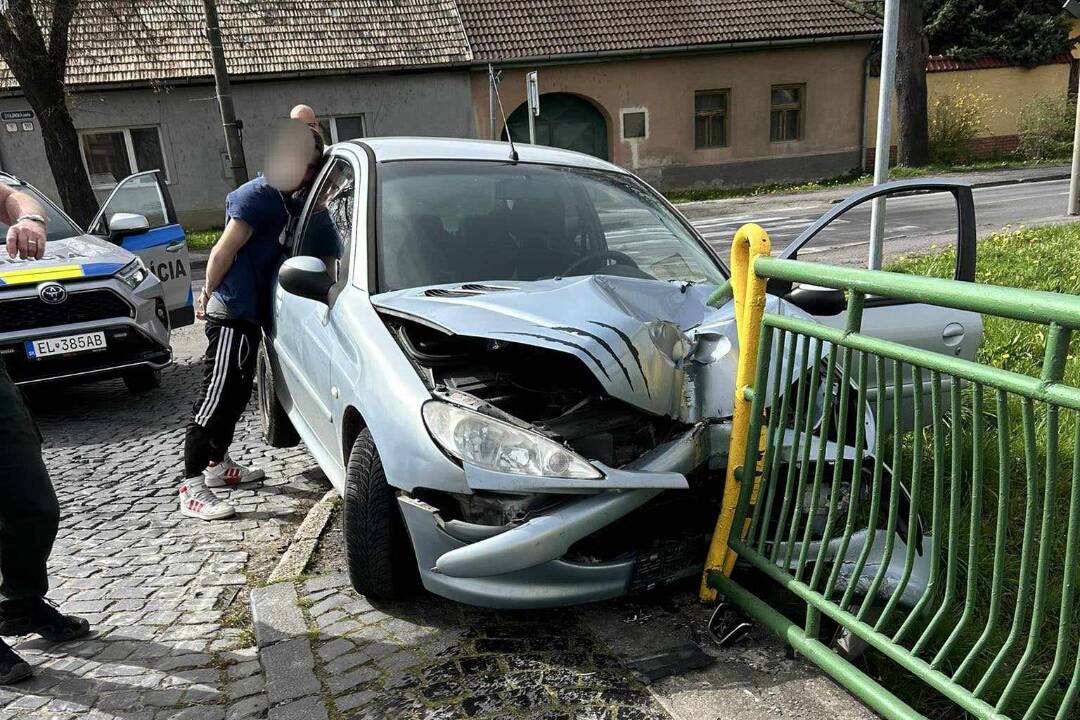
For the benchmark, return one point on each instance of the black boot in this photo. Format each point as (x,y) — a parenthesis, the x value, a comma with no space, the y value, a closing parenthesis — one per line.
(12,667)
(39,617)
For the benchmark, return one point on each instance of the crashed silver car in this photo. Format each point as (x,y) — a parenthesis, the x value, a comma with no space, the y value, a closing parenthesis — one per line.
(508,366)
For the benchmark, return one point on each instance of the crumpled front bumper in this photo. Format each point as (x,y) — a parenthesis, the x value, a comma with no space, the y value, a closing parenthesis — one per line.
(523,565)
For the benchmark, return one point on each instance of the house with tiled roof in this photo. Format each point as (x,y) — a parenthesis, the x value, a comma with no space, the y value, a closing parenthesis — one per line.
(684,92)
(142,92)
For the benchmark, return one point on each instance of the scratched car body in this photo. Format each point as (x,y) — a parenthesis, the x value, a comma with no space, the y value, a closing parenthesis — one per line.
(100,303)
(510,370)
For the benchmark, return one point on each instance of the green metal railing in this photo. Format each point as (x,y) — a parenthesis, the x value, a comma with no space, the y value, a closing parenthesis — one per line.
(949,549)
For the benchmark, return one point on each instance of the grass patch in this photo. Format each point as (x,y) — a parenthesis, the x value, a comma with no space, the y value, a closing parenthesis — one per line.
(203,239)
(849,180)
(1045,258)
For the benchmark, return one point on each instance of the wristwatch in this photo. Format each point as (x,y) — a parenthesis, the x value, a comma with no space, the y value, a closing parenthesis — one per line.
(34,217)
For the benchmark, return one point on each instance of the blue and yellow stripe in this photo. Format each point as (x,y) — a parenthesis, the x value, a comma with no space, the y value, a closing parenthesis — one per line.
(37,274)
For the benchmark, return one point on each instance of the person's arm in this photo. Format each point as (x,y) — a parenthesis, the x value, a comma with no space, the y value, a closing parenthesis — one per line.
(25,238)
(236,233)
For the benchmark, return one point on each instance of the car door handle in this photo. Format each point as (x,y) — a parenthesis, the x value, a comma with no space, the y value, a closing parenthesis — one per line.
(175,246)
(953,334)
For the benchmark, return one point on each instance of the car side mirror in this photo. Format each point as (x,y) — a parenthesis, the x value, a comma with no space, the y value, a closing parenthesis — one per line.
(123,224)
(305,277)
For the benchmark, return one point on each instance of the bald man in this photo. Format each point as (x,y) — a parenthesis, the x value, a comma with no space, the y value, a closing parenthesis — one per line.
(306,115)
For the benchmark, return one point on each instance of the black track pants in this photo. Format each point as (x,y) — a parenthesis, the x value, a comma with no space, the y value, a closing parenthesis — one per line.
(228,376)
(29,512)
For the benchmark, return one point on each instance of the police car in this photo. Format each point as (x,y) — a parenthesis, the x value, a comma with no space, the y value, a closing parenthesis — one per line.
(100,303)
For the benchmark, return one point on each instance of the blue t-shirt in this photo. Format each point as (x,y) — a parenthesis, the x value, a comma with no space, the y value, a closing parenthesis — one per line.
(245,291)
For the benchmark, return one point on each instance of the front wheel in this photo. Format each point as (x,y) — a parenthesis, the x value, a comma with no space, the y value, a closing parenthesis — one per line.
(142,380)
(380,557)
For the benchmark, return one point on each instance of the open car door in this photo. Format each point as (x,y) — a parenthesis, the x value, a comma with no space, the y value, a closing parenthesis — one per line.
(139,216)
(928,327)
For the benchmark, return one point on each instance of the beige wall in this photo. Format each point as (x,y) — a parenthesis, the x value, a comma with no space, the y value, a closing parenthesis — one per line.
(1009,91)
(665,87)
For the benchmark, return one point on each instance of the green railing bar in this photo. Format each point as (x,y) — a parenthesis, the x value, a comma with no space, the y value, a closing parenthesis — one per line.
(873,694)
(819,465)
(1034,388)
(1070,696)
(856,482)
(1022,592)
(720,295)
(771,444)
(880,642)
(894,500)
(952,545)
(778,445)
(804,464)
(1001,529)
(800,408)
(875,496)
(1028,305)
(971,591)
(937,522)
(1068,587)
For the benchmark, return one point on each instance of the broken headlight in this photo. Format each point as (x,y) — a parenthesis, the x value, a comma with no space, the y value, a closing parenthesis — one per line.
(492,444)
(133,273)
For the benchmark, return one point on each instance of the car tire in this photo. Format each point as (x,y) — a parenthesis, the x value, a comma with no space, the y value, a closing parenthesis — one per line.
(142,380)
(377,548)
(277,429)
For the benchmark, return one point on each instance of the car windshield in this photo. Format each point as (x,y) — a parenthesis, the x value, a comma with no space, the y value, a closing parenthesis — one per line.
(59,228)
(444,222)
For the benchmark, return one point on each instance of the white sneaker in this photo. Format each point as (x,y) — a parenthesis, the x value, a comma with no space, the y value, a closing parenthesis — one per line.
(197,501)
(228,474)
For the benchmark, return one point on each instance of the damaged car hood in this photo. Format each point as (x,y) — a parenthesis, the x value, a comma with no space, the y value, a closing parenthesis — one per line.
(654,344)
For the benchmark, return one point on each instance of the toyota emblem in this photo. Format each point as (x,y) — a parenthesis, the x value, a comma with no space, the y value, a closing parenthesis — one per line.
(52,293)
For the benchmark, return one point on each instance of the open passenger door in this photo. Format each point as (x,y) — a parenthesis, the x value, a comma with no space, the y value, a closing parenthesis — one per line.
(139,216)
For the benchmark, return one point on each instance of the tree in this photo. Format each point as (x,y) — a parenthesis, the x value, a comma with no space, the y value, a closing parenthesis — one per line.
(1025,32)
(39,66)
(912,52)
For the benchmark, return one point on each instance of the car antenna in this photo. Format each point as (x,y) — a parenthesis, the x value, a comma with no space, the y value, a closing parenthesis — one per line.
(498,98)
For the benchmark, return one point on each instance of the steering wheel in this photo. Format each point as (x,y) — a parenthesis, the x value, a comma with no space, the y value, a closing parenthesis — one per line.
(618,257)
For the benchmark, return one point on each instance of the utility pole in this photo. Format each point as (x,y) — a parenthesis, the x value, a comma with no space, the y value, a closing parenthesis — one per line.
(233,144)
(1073,8)
(883,145)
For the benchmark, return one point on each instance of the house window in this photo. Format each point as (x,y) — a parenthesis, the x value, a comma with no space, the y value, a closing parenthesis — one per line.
(342,127)
(711,118)
(786,118)
(634,124)
(112,155)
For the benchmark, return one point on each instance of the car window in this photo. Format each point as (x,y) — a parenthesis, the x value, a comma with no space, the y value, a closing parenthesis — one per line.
(445,222)
(327,232)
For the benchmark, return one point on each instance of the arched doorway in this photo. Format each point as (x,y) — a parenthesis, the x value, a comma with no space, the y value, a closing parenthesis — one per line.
(565,121)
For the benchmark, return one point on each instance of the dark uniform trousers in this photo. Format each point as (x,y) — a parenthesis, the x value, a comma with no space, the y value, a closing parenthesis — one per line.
(228,376)
(29,511)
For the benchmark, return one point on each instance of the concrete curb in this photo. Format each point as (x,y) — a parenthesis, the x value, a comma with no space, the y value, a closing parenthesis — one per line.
(1021,180)
(297,557)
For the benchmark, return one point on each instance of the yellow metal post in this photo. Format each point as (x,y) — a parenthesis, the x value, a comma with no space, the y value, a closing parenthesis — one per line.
(751,241)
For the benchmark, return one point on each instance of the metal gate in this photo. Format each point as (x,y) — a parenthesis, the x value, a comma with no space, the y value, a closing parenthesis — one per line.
(950,550)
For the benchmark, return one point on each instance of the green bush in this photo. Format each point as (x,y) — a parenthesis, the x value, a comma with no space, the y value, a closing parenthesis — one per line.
(1045,128)
(954,121)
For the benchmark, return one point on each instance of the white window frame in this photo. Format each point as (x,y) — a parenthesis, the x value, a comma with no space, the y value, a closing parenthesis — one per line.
(622,123)
(333,124)
(129,146)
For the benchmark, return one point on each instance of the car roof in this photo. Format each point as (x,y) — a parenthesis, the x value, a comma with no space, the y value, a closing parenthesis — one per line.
(390,149)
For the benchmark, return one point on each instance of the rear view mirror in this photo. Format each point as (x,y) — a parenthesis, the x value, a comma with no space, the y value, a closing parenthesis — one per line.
(124,224)
(305,277)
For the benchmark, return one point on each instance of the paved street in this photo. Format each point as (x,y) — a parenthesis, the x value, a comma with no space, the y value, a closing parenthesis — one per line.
(175,640)
(913,223)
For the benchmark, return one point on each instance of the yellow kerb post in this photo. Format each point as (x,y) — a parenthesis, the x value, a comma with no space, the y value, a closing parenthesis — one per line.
(750,242)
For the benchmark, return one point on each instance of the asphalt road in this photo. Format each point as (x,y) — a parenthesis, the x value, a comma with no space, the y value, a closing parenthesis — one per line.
(913,223)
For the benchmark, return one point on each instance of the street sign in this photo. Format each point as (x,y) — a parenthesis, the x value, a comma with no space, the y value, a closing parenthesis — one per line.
(16,115)
(532,96)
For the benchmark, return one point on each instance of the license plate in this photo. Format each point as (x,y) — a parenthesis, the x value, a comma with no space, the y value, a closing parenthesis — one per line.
(63,345)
